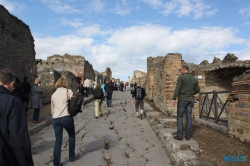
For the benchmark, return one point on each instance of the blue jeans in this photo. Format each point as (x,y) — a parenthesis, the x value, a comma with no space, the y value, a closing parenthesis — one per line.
(66,122)
(181,108)
(36,114)
(109,99)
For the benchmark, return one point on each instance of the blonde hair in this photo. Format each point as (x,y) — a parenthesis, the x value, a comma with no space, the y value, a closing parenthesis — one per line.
(61,82)
(37,81)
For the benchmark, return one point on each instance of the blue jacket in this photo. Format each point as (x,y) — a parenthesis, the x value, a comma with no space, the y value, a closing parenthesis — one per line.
(15,146)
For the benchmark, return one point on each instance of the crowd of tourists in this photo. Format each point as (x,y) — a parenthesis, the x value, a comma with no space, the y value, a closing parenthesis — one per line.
(17,97)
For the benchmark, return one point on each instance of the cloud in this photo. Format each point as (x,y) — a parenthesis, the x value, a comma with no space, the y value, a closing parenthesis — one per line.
(245,11)
(12,7)
(71,44)
(96,5)
(92,30)
(59,7)
(76,23)
(194,8)
(127,49)
(121,9)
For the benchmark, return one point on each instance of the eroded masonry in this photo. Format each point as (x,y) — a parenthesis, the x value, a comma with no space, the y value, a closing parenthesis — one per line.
(229,74)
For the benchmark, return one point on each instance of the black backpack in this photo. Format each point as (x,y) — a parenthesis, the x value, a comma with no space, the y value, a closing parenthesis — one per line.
(139,95)
(97,94)
(75,104)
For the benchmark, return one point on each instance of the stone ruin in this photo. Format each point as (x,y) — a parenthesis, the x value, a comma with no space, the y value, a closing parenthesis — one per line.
(70,66)
(139,77)
(17,46)
(229,74)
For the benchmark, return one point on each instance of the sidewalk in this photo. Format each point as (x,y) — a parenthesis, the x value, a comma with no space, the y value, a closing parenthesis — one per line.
(45,117)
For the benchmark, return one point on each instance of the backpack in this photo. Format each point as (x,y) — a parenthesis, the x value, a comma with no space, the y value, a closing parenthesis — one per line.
(97,94)
(139,94)
(75,104)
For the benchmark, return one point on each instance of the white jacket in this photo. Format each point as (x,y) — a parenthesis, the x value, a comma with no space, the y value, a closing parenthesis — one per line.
(59,102)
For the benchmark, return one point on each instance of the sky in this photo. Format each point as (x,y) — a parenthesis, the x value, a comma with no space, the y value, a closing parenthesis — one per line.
(122,34)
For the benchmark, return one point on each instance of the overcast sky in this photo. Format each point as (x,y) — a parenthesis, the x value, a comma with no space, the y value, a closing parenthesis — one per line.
(121,34)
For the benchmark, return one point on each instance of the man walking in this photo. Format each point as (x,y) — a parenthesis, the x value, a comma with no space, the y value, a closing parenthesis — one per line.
(87,86)
(109,87)
(186,87)
(138,95)
(14,137)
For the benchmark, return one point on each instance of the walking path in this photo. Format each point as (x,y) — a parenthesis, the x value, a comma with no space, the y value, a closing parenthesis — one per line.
(117,138)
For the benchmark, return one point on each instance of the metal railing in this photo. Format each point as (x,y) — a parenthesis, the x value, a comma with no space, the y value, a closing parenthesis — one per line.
(207,106)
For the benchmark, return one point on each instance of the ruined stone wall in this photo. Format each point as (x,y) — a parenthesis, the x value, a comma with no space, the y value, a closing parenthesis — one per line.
(16,46)
(107,74)
(89,71)
(239,110)
(98,77)
(72,63)
(162,73)
(139,77)
(49,77)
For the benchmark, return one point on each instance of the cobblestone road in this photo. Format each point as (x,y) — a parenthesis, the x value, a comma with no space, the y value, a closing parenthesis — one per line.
(117,138)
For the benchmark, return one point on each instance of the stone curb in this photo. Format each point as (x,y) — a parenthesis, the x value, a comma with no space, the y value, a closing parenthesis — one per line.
(182,152)
(34,128)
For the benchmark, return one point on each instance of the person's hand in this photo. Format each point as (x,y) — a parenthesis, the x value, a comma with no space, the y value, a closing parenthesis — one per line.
(174,102)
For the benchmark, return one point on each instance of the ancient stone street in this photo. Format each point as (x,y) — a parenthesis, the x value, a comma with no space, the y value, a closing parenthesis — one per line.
(117,138)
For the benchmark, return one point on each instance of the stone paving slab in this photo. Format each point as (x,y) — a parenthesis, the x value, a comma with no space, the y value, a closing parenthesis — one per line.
(117,138)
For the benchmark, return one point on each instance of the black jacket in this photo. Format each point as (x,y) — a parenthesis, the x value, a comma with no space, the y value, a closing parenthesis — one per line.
(26,87)
(96,92)
(109,87)
(15,146)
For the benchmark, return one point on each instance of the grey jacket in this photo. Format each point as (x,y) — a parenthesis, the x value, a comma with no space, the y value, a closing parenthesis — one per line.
(35,100)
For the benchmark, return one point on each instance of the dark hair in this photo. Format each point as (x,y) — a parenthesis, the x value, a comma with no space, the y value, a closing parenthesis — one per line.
(185,67)
(25,78)
(18,80)
(98,86)
(6,76)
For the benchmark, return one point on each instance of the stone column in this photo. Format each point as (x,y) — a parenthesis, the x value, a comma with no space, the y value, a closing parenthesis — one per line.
(172,65)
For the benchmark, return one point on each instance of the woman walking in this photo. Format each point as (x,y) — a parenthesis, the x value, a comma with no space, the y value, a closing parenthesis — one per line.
(62,120)
(35,100)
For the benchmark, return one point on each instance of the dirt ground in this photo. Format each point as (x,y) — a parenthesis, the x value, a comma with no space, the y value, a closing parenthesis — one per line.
(214,145)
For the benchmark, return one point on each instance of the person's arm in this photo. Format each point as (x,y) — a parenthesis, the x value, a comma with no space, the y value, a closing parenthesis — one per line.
(38,89)
(196,88)
(19,139)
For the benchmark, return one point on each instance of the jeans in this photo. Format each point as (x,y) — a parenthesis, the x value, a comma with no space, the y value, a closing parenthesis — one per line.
(36,114)
(66,122)
(87,91)
(109,99)
(181,108)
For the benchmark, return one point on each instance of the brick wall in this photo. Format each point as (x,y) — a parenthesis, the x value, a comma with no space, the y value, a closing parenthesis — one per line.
(16,46)
(239,110)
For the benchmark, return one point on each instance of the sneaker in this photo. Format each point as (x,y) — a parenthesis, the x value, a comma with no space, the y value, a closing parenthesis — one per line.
(72,159)
(141,116)
(96,117)
(100,115)
(138,116)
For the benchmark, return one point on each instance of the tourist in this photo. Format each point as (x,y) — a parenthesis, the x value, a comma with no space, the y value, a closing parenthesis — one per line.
(186,87)
(87,86)
(35,100)
(26,92)
(98,95)
(103,90)
(18,88)
(14,137)
(61,119)
(109,89)
(138,96)
(121,86)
